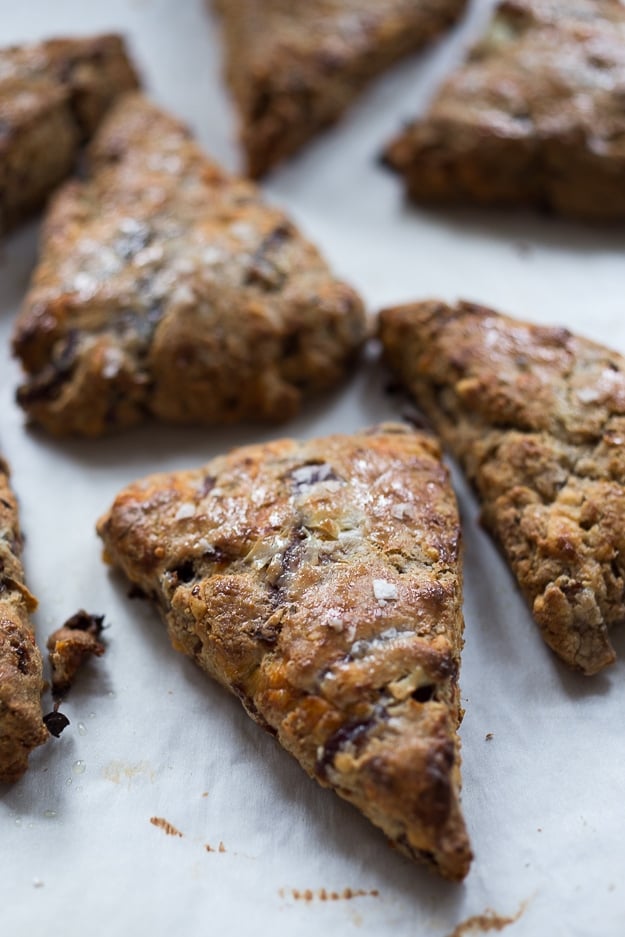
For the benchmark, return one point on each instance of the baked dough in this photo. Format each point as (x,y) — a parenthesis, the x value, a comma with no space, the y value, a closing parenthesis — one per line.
(536,416)
(294,68)
(534,116)
(52,97)
(320,582)
(167,288)
(21,682)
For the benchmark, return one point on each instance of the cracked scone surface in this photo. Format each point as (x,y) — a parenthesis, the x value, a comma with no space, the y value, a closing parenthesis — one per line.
(534,116)
(169,289)
(320,582)
(53,95)
(294,68)
(536,416)
(21,683)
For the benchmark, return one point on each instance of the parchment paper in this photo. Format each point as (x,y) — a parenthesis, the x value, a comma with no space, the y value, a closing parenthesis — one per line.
(259,847)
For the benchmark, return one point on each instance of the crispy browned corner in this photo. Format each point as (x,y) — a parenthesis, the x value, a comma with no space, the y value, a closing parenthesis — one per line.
(294,68)
(533,117)
(168,289)
(536,416)
(320,582)
(21,683)
(53,95)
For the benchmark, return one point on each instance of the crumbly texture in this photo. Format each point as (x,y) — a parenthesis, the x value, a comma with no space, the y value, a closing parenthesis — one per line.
(70,646)
(320,582)
(535,116)
(21,683)
(168,289)
(52,97)
(536,416)
(295,67)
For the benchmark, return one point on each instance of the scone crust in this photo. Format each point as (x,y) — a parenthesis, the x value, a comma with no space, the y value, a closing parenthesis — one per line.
(534,116)
(295,68)
(536,416)
(320,582)
(167,288)
(21,683)
(53,95)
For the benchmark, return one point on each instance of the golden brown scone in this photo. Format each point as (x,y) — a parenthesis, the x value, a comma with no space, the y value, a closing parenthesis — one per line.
(167,288)
(534,116)
(320,582)
(536,416)
(294,68)
(52,97)
(21,683)
(70,646)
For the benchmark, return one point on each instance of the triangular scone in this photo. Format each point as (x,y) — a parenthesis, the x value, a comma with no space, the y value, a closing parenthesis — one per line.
(536,416)
(167,288)
(21,682)
(52,97)
(295,67)
(320,582)
(535,116)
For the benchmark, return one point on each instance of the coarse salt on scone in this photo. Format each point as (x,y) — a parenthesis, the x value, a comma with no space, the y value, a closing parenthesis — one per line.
(320,582)
(53,95)
(169,289)
(294,68)
(534,116)
(21,683)
(536,416)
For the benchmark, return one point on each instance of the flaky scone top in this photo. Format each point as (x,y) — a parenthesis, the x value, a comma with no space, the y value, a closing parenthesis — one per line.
(320,582)
(294,68)
(534,116)
(536,416)
(167,288)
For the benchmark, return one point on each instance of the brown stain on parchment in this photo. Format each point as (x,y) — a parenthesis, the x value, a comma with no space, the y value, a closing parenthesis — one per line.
(322,894)
(165,826)
(220,848)
(489,920)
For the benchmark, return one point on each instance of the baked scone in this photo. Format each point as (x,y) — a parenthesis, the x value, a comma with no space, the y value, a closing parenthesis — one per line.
(52,97)
(320,582)
(535,116)
(536,416)
(295,67)
(21,682)
(167,288)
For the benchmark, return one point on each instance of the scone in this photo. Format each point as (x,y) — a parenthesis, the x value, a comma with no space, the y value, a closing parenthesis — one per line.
(21,682)
(167,288)
(536,416)
(295,67)
(534,116)
(320,582)
(52,97)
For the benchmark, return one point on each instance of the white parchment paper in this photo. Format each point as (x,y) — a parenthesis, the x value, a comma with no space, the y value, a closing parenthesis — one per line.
(262,849)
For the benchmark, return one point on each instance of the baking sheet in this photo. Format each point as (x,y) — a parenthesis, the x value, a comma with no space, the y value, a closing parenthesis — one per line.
(85,845)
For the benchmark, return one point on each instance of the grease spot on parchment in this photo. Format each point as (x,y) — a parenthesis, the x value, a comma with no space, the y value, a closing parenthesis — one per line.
(165,826)
(489,920)
(323,894)
(118,771)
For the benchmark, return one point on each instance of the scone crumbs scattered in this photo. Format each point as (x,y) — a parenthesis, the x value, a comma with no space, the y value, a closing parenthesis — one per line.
(322,894)
(165,826)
